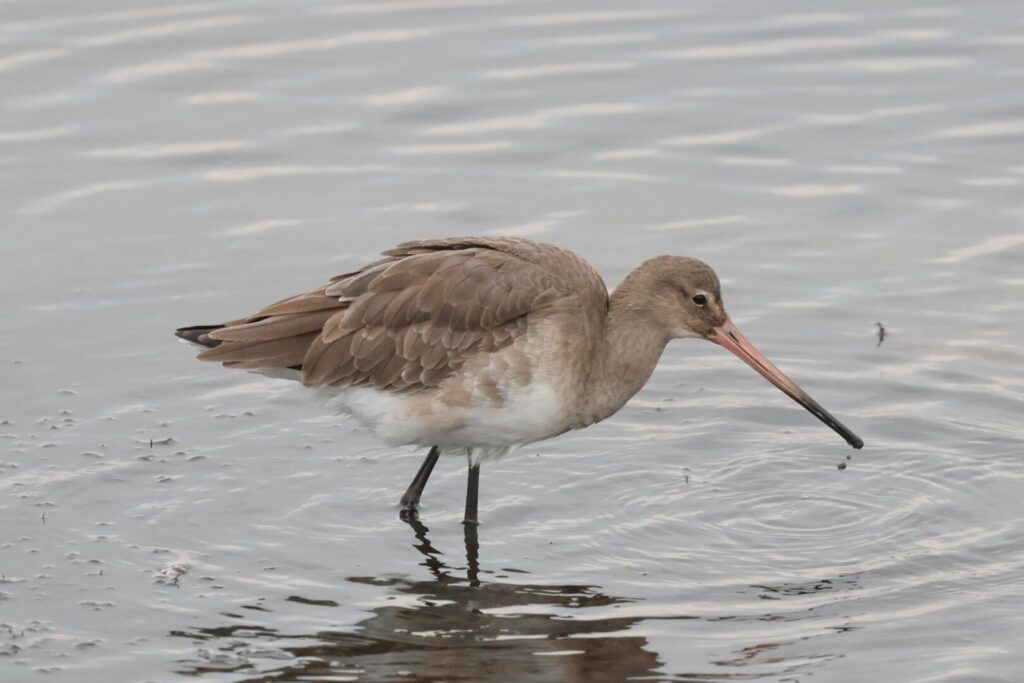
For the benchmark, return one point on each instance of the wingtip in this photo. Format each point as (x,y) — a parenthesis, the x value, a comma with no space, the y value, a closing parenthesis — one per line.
(197,334)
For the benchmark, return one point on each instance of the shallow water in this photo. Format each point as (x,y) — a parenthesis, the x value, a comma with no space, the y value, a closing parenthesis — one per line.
(856,162)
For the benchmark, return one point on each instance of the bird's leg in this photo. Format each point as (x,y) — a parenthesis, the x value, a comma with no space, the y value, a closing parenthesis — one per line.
(411,499)
(472,491)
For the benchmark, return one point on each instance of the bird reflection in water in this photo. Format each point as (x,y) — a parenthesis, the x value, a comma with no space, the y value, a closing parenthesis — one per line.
(459,629)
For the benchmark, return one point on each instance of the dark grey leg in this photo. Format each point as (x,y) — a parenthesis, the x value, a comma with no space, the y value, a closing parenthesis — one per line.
(472,492)
(411,499)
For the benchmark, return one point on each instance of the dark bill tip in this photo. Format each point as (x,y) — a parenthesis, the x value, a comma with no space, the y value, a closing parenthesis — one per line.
(730,337)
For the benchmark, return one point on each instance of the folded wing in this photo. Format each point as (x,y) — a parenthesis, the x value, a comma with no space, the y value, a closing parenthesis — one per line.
(402,323)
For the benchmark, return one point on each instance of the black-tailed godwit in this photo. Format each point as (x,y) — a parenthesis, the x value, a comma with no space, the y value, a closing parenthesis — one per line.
(478,345)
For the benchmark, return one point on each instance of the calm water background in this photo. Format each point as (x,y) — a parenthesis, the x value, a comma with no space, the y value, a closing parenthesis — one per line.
(839,163)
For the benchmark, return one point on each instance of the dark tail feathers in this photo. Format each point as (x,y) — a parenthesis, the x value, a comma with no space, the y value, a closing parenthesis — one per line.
(199,334)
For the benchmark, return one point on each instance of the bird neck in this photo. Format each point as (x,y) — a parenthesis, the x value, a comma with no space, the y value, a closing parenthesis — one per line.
(626,354)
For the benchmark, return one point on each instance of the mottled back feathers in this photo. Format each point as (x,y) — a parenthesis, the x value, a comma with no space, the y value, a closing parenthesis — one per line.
(410,320)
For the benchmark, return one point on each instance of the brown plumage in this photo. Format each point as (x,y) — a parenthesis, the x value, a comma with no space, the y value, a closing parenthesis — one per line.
(482,344)
(408,321)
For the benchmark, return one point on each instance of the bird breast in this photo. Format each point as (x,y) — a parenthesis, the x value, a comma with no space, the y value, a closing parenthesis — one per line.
(499,399)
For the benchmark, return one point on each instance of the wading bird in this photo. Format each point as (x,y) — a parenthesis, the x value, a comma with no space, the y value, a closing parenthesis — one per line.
(477,345)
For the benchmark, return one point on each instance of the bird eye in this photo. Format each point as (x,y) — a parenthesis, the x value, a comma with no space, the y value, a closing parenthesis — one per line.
(699,299)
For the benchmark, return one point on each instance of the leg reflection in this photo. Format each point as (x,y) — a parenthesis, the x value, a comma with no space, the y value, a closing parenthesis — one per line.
(441,571)
(445,626)
(472,554)
(432,562)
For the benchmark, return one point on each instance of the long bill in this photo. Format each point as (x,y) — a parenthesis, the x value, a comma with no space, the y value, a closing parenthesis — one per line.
(731,338)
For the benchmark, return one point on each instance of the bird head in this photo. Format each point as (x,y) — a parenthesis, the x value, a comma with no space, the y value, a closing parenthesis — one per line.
(687,301)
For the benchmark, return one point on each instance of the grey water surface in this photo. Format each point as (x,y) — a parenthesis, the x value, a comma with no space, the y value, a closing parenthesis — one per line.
(840,164)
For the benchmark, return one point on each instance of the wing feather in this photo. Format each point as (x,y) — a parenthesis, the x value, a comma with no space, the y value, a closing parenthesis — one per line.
(411,319)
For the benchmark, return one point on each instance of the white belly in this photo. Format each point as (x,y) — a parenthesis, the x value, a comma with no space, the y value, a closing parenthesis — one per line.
(528,414)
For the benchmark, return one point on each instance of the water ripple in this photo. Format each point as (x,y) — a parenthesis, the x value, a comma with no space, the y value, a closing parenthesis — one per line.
(187,27)
(809,191)
(209,59)
(20,60)
(593,17)
(36,134)
(764,49)
(181,149)
(530,121)
(557,70)
(993,245)
(992,129)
